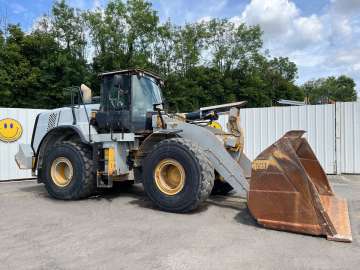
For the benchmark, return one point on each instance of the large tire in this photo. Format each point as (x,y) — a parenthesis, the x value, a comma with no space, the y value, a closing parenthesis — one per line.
(197,171)
(81,184)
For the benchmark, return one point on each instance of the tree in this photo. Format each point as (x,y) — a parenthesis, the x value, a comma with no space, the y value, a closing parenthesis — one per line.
(123,34)
(163,57)
(284,68)
(330,88)
(203,63)
(17,74)
(35,69)
(342,89)
(233,46)
(5,80)
(68,28)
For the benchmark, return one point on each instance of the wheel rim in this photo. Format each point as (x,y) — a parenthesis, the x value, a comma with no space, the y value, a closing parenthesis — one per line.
(169,176)
(62,171)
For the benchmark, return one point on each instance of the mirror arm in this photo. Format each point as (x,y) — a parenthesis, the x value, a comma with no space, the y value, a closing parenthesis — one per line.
(158,110)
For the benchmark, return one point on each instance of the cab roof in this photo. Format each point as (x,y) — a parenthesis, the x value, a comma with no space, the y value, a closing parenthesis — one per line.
(132,71)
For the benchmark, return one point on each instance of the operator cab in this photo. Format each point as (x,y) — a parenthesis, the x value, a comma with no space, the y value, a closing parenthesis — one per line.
(127,101)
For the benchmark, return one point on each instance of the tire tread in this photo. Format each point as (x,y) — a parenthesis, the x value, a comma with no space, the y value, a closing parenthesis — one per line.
(88,185)
(206,170)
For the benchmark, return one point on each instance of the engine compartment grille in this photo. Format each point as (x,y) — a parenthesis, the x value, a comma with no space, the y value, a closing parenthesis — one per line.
(52,121)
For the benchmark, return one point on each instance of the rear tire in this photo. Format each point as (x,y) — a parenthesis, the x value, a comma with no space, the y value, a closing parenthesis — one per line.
(68,171)
(187,169)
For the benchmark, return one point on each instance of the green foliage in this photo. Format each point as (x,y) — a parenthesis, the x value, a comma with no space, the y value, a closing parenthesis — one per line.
(321,90)
(35,68)
(203,63)
(122,35)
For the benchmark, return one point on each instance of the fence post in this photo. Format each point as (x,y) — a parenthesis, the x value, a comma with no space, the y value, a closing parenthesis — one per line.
(338,116)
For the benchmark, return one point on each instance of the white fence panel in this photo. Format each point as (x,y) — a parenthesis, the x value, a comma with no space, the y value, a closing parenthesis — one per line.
(349,137)
(8,167)
(263,126)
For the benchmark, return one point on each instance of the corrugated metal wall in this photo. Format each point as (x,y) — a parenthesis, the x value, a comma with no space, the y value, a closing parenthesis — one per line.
(263,126)
(8,167)
(349,133)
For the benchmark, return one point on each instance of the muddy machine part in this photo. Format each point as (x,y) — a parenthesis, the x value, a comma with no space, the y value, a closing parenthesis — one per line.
(289,191)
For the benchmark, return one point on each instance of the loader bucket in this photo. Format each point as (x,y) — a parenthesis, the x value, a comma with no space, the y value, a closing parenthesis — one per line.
(289,191)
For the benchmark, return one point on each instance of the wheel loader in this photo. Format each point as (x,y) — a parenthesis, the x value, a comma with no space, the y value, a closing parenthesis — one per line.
(179,158)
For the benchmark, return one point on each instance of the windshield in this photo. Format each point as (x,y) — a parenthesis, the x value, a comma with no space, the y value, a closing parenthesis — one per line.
(149,89)
(145,94)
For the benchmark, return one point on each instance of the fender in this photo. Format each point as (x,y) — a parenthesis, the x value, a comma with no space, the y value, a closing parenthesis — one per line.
(151,140)
(53,136)
(59,129)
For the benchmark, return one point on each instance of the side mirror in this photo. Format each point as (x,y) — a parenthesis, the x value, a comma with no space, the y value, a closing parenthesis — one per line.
(86,94)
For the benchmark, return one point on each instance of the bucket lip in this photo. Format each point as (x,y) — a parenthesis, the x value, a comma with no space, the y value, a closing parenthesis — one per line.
(340,238)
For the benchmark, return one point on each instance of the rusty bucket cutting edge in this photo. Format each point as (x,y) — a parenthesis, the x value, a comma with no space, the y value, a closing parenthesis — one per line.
(289,191)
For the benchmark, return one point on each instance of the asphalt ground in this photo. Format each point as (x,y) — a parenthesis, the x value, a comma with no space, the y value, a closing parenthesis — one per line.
(122,230)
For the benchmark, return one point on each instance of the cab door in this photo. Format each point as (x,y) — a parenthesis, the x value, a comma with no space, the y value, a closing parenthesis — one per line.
(114,114)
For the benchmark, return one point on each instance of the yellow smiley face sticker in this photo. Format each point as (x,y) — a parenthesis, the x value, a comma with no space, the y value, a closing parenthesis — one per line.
(10,130)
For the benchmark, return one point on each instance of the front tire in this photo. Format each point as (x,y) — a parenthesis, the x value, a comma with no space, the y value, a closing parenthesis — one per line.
(68,171)
(178,176)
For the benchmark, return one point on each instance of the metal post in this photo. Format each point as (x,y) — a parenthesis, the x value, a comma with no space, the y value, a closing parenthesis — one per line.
(338,115)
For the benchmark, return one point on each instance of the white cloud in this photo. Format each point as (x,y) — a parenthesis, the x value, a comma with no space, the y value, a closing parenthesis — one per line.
(349,57)
(273,16)
(182,11)
(309,29)
(96,3)
(341,16)
(320,44)
(346,7)
(281,21)
(342,26)
(16,8)
(204,19)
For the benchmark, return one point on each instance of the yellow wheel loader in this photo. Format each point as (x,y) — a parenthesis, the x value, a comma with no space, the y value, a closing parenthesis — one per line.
(179,158)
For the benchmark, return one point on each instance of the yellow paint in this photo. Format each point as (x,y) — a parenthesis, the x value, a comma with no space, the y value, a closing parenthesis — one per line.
(10,130)
(61,172)
(215,125)
(260,165)
(33,162)
(169,176)
(110,161)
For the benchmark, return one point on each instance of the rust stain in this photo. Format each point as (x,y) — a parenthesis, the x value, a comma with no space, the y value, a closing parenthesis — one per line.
(289,191)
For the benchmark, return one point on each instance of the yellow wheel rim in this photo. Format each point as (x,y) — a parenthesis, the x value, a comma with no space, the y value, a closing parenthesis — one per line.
(169,176)
(62,171)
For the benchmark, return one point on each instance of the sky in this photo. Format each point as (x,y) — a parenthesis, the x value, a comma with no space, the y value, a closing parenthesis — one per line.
(321,36)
